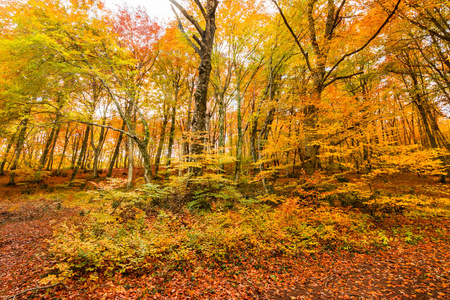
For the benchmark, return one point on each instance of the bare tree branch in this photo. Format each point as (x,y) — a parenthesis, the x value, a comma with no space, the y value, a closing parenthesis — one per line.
(337,18)
(342,77)
(200,6)
(304,53)
(180,26)
(189,17)
(365,45)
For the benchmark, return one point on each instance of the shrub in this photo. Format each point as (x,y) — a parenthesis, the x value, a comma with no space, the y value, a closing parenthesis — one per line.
(129,241)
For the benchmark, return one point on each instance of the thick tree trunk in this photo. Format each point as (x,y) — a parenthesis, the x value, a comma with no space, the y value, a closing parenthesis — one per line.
(199,117)
(146,161)
(204,72)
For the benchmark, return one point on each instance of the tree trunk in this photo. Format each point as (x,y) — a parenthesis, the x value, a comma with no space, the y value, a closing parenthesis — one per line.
(162,137)
(130,163)
(66,142)
(222,120)
(44,155)
(75,146)
(116,152)
(237,171)
(8,148)
(97,150)
(19,146)
(204,72)
(82,153)
(171,139)
(52,151)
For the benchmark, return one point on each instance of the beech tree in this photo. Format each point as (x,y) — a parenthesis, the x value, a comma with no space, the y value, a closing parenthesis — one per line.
(203,46)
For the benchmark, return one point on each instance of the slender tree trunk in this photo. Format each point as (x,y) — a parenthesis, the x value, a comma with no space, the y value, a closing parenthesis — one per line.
(52,151)
(76,145)
(130,163)
(44,155)
(171,139)
(237,171)
(116,152)
(222,133)
(254,133)
(82,153)
(19,146)
(186,144)
(8,148)
(162,137)
(97,150)
(66,142)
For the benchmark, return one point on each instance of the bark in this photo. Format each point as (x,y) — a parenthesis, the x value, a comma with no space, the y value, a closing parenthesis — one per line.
(162,137)
(75,146)
(130,163)
(66,142)
(52,151)
(82,153)
(171,139)
(44,155)
(204,71)
(116,153)
(97,150)
(237,171)
(8,148)
(19,146)
(222,120)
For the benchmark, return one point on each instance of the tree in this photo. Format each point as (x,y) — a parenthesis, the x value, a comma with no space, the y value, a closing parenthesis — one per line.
(204,50)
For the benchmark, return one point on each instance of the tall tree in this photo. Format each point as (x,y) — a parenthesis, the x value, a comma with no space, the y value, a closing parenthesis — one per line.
(203,46)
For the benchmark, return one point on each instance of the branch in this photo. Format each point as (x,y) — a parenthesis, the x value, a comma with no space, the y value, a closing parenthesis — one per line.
(365,45)
(337,18)
(304,53)
(200,6)
(34,289)
(189,17)
(180,26)
(342,77)
(103,126)
(118,204)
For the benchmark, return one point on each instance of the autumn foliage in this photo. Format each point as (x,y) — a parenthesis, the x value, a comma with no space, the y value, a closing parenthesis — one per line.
(240,135)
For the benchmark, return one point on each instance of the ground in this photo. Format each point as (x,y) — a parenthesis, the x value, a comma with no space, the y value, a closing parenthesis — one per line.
(416,270)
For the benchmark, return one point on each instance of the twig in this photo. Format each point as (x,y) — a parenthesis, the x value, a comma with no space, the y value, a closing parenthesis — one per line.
(120,202)
(34,289)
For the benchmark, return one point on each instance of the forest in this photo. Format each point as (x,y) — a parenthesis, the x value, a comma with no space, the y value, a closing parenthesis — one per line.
(266,149)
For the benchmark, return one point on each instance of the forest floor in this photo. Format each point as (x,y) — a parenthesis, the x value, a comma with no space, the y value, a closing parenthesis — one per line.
(404,270)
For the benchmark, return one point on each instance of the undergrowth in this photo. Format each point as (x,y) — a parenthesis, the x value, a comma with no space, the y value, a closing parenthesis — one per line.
(105,243)
(132,231)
